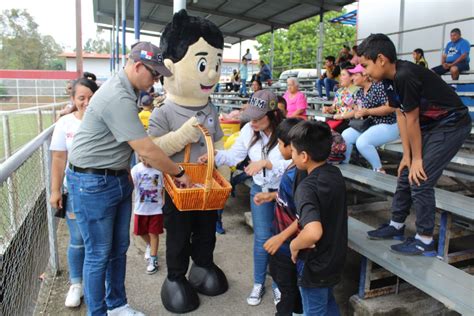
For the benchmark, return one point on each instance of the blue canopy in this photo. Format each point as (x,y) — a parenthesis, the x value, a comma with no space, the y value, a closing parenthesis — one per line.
(349,18)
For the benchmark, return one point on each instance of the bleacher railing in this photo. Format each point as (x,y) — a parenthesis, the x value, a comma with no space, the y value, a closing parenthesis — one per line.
(27,227)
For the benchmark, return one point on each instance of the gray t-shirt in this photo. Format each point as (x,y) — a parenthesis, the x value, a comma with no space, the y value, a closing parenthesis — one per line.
(170,117)
(110,121)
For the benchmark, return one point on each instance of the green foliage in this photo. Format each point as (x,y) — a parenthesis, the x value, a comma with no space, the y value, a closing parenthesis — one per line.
(297,46)
(3,92)
(100,45)
(22,46)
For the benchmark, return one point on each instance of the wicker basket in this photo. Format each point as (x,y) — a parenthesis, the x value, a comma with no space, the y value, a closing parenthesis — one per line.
(215,190)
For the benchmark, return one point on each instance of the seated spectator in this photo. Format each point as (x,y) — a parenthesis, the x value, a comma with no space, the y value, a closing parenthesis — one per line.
(282,105)
(256,86)
(371,101)
(455,58)
(265,74)
(295,99)
(344,55)
(343,101)
(355,56)
(419,57)
(235,79)
(329,78)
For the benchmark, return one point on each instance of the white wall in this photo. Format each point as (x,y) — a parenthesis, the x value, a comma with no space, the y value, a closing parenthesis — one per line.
(99,66)
(376,16)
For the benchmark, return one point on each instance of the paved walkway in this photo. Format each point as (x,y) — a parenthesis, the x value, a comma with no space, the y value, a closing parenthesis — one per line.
(233,254)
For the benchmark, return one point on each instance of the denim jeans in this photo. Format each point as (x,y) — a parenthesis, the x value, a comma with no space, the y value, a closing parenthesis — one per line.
(438,149)
(243,87)
(262,219)
(319,301)
(75,250)
(367,141)
(103,206)
(329,85)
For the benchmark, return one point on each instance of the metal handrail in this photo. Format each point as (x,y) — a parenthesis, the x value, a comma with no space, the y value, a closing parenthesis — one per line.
(12,163)
(39,107)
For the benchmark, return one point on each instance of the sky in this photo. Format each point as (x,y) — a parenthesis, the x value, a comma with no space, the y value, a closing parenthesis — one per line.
(58,19)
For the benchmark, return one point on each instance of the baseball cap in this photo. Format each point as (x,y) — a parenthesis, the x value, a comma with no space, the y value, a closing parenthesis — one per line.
(146,100)
(260,103)
(357,69)
(150,55)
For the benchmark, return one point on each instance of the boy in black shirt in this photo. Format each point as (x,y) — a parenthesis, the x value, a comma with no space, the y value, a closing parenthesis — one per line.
(319,250)
(433,124)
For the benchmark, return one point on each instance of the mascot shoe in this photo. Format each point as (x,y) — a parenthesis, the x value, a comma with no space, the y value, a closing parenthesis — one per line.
(178,296)
(208,281)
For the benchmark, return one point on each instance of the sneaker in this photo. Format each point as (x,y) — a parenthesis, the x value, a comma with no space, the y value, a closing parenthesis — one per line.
(220,228)
(414,247)
(147,252)
(73,298)
(276,296)
(255,296)
(125,310)
(387,232)
(152,266)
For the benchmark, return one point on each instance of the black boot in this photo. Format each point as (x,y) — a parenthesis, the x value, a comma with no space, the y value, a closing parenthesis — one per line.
(208,281)
(179,296)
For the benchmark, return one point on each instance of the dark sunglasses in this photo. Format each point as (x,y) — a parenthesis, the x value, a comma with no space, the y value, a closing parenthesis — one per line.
(155,74)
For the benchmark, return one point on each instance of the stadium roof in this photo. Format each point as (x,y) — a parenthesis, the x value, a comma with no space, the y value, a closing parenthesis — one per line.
(237,19)
(349,18)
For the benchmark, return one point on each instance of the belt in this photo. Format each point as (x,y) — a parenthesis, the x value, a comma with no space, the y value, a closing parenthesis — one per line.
(103,172)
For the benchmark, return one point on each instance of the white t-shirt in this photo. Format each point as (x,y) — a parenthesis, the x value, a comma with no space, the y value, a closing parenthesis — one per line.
(149,194)
(63,134)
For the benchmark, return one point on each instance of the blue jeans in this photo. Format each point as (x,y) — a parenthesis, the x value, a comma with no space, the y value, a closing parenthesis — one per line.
(262,219)
(75,250)
(243,87)
(329,85)
(367,141)
(318,301)
(103,206)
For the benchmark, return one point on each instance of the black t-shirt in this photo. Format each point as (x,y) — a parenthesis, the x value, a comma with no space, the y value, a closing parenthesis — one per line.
(418,87)
(321,197)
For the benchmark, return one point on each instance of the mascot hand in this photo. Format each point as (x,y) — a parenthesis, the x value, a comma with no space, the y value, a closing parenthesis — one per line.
(174,142)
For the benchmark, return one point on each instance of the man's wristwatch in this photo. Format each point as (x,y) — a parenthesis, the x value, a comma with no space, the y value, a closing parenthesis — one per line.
(180,173)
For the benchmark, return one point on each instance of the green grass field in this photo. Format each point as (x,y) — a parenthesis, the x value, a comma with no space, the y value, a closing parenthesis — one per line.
(23,128)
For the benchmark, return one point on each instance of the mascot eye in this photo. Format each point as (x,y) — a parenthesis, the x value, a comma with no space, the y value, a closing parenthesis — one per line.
(202,63)
(218,64)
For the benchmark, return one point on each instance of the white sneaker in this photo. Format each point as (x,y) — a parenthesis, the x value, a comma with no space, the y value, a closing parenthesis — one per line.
(152,266)
(255,296)
(73,298)
(147,252)
(276,296)
(125,310)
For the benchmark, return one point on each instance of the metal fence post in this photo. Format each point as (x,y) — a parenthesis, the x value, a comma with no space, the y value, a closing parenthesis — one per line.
(36,91)
(17,94)
(54,91)
(12,196)
(40,120)
(52,223)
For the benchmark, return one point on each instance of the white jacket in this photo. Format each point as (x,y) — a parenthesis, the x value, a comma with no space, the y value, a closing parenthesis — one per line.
(241,149)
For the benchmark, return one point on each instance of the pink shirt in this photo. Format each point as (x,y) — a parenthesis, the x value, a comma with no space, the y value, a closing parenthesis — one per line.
(297,102)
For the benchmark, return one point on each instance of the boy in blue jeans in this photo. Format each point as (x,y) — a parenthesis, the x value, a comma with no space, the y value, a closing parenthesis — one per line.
(433,124)
(319,250)
(282,269)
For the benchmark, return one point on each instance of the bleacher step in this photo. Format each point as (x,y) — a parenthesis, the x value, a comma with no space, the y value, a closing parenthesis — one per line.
(447,284)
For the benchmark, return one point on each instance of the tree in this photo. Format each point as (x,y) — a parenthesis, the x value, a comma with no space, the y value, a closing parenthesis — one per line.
(297,47)
(99,45)
(22,46)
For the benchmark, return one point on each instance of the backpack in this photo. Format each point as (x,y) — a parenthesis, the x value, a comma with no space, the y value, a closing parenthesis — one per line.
(338,148)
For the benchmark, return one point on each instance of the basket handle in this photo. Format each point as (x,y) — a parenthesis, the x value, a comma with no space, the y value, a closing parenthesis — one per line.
(210,158)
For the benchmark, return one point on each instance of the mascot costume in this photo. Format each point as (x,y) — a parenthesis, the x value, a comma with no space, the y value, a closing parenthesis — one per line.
(192,51)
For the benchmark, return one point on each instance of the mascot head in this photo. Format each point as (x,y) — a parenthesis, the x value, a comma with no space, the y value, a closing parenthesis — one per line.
(192,49)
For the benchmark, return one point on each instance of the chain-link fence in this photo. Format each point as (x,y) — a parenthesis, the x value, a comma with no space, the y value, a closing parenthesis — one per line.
(18,127)
(27,228)
(21,93)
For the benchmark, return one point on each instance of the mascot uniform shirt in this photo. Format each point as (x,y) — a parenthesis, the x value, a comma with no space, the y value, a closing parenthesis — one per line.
(170,117)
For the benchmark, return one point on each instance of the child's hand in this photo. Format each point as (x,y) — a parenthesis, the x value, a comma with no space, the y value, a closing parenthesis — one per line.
(294,252)
(417,173)
(273,244)
(255,167)
(404,163)
(262,197)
